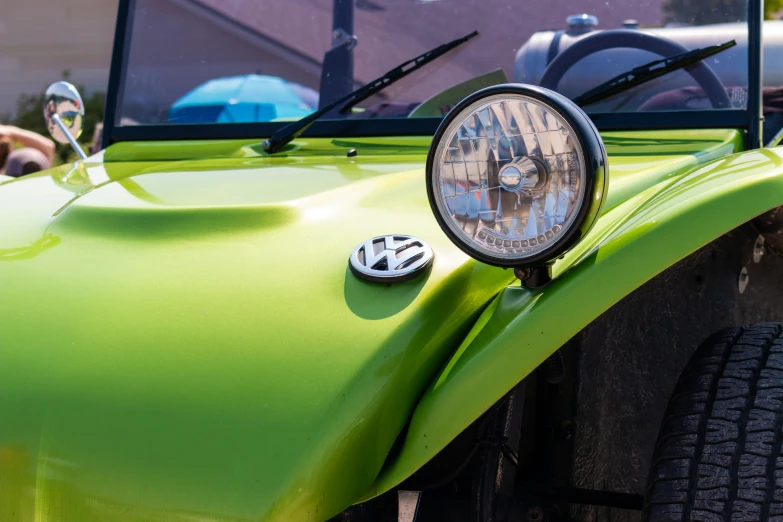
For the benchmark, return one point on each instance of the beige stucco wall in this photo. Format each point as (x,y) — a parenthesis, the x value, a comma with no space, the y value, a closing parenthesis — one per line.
(41,38)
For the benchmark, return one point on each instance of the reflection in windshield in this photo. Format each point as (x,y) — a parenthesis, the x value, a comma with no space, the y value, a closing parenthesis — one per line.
(236,61)
(244,99)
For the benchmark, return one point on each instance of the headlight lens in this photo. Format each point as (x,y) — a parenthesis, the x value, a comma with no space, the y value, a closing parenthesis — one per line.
(509,175)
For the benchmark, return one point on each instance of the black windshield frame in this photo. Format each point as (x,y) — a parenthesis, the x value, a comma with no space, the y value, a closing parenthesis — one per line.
(748,120)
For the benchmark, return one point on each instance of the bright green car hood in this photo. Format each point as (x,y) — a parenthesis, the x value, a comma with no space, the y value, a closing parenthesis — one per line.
(181,335)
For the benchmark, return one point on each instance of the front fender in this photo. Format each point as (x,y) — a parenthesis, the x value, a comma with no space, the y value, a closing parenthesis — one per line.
(629,245)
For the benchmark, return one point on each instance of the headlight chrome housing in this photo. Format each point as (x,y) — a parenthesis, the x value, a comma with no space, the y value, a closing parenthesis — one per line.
(516,175)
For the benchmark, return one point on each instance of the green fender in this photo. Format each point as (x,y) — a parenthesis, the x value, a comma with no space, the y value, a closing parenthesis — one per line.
(630,244)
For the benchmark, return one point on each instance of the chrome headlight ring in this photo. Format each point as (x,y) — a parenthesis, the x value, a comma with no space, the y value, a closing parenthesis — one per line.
(516,175)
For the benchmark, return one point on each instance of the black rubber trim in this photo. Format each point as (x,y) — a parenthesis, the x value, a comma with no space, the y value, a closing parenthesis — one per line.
(592,149)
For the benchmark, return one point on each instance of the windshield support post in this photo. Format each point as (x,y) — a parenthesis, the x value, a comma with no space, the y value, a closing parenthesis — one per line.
(122,33)
(755,78)
(337,69)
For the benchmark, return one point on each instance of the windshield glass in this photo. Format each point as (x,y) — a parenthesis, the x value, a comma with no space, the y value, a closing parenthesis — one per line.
(249,61)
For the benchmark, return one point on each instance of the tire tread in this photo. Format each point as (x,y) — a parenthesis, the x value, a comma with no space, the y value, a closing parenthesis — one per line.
(718,455)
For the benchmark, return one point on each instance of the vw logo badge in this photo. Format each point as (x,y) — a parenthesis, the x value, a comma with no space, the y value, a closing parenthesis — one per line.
(390,259)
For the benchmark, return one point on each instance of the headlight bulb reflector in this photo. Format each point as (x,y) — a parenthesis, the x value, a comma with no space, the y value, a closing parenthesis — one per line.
(509,176)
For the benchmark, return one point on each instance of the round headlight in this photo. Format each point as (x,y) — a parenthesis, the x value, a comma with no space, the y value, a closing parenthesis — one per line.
(516,175)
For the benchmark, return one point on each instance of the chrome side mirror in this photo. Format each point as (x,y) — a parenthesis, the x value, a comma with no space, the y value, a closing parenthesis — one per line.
(63,111)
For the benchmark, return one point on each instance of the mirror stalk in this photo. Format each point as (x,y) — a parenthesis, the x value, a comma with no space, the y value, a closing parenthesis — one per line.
(71,140)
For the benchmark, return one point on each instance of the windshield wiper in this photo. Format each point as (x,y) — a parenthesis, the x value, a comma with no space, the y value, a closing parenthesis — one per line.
(650,71)
(282,137)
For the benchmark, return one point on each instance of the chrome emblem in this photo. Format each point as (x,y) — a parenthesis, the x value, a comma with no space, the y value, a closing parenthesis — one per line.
(389,259)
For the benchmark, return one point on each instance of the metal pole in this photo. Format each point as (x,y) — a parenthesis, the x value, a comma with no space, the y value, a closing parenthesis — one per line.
(342,18)
(114,95)
(755,72)
(71,139)
(337,71)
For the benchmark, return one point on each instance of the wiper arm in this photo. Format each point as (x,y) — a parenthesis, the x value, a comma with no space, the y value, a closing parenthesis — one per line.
(650,71)
(282,137)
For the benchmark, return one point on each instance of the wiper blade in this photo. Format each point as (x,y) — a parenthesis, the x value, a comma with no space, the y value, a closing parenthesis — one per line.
(282,137)
(650,71)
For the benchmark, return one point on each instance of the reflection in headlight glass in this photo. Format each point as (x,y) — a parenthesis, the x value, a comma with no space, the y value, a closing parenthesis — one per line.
(509,176)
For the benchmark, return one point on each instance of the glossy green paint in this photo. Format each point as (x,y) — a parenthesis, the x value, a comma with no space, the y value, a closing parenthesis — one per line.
(185,337)
(182,336)
(631,243)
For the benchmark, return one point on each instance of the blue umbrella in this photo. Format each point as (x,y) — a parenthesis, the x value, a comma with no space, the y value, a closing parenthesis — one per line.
(244,99)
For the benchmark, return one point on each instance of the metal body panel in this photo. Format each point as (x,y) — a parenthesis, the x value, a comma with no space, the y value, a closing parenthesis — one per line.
(183,337)
(630,244)
(186,339)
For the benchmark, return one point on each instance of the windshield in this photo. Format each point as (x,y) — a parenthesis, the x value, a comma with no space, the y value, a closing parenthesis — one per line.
(195,62)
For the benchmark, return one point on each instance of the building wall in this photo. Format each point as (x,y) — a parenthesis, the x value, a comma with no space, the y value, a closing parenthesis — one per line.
(41,38)
(393,31)
(165,31)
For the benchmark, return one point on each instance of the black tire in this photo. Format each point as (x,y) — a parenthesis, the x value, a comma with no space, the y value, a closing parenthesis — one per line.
(718,455)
